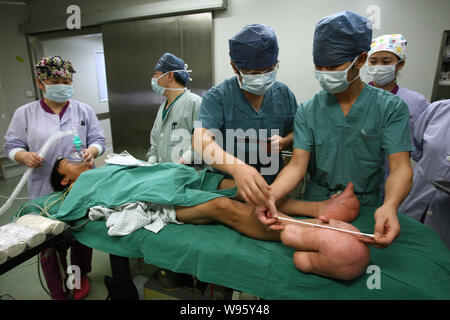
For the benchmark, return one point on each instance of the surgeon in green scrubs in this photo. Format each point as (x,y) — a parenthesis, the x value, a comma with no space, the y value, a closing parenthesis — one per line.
(170,138)
(247,120)
(344,132)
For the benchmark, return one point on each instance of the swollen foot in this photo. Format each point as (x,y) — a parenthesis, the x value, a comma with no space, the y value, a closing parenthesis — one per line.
(344,206)
(328,253)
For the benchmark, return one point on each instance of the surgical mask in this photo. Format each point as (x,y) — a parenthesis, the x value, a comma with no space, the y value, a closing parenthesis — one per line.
(258,84)
(382,74)
(159,89)
(58,92)
(335,81)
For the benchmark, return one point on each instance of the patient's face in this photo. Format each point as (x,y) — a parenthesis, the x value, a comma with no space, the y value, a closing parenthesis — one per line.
(71,170)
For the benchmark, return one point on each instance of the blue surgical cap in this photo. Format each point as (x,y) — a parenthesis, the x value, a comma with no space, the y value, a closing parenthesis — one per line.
(340,38)
(254,47)
(169,62)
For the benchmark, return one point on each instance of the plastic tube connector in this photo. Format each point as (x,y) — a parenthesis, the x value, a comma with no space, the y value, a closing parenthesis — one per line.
(76,140)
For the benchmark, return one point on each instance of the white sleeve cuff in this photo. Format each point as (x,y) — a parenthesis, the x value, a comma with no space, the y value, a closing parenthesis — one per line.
(153,159)
(99,148)
(13,153)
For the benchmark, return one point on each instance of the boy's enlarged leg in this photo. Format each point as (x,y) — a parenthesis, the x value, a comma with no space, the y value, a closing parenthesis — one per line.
(324,252)
(344,206)
(327,253)
(232,213)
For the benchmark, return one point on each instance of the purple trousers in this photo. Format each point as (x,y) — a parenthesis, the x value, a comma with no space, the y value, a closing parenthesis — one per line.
(55,272)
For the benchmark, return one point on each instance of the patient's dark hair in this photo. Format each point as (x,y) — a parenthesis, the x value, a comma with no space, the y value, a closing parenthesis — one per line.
(56,177)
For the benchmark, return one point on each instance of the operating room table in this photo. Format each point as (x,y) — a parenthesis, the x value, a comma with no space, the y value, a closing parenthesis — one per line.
(415,266)
(49,242)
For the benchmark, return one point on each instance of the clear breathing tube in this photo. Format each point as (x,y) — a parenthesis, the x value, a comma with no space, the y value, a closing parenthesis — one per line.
(42,152)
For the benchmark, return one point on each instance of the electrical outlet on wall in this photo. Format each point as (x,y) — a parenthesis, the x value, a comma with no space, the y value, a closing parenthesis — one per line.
(29,94)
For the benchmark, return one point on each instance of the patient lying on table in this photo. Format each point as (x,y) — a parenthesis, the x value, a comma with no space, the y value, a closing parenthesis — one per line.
(324,252)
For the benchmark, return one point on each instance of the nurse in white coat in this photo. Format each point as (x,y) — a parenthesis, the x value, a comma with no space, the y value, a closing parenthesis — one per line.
(30,127)
(34,122)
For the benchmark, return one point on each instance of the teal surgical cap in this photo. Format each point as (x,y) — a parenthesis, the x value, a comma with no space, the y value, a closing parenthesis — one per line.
(254,47)
(340,38)
(169,62)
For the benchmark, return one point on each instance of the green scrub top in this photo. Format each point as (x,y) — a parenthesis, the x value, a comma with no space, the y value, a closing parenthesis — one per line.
(165,110)
(225,108)
(166,134)
(351,148)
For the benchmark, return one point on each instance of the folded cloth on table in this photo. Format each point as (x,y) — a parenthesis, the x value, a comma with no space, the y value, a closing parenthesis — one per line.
(126,218)
(41,224)
(125,159)
(32,237)
(12,245)
(3,255)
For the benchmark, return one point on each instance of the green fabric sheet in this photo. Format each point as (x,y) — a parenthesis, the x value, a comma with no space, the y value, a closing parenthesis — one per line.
(415,266)
(166,183)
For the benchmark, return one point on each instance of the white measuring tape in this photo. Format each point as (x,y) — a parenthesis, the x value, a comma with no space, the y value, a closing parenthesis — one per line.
(327,227)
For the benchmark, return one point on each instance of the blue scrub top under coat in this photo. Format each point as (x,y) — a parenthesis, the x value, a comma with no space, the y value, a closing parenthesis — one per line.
(225,107)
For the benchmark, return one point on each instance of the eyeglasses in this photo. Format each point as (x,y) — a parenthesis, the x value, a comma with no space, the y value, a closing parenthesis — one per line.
(254,73)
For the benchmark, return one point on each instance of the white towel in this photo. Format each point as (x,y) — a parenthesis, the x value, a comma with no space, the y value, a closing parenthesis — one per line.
(12,245)
(125,219)
(3,255)
(125,159)
(32,237)
(41,224)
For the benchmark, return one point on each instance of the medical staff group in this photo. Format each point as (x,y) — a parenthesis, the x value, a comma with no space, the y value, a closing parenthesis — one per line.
(348,132)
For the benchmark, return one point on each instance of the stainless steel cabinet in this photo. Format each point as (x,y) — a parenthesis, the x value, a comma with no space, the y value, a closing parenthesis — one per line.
(131,52)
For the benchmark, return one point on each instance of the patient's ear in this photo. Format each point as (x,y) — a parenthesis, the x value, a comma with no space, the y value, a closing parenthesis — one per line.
(65,181)
(234,68)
